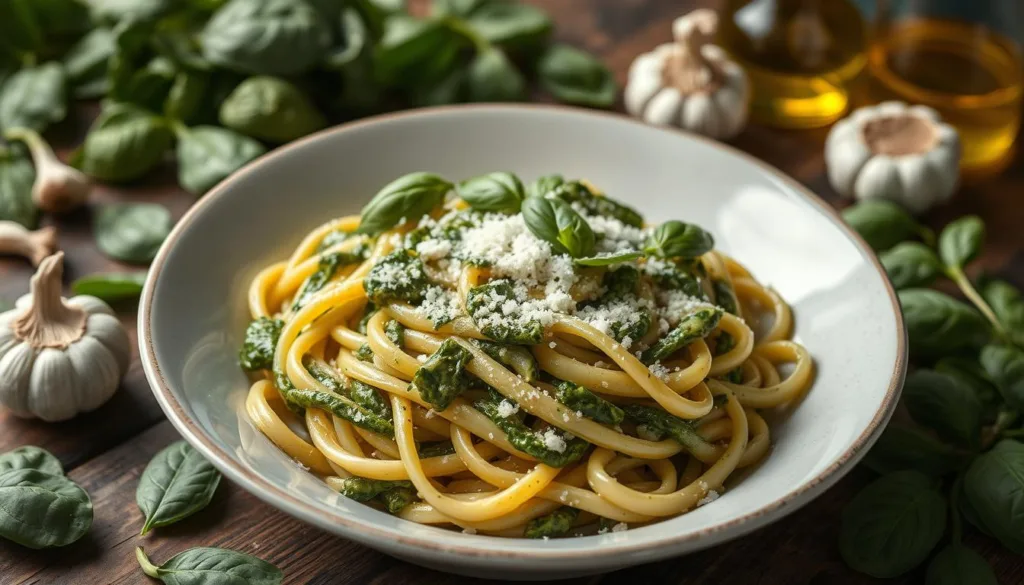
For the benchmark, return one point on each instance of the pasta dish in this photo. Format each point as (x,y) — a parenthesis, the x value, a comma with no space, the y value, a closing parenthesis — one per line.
(520,360)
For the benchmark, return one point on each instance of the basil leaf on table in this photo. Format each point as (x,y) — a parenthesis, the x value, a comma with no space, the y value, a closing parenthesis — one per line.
(86,64)
(410,196)
(892,525)
(911,264)
(958,565)
(132,40)
(211,566)
(994,486)
(111,286)
(938,324)
(493,78)
(415,51)
(266,37)
(576,77)
(30,457)
(208,154)
(498,191)
(177,483)
(882,223)
(42,510)
(944,404)
(544,185)
(555,222)
(970,372)
(34,97)
(270,109)
(149,85)
(1008,305)
(609,259)
(131,232)
(187,96)
(16,178)
(1004,365)
(961,241)
(676,239)
(510,24)
(901,448)
(123,144)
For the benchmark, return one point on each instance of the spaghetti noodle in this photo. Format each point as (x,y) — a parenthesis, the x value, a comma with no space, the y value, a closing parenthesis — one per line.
(519,361)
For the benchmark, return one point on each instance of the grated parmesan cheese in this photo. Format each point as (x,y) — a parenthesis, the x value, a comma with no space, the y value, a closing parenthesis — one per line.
(553,441)
(507,409)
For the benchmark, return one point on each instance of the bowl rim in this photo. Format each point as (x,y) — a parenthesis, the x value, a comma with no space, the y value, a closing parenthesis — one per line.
(368,533)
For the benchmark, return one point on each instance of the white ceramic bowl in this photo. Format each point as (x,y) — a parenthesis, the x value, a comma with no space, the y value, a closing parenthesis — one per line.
(193,312)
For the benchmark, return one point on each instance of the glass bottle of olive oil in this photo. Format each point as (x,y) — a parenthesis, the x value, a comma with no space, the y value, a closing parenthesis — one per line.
(968,72)
(800,55)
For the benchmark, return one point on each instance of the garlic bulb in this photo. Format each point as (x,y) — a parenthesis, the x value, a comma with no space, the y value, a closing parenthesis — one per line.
(690,83)
(34,245)
(59,357)
(58,187)
(892,151)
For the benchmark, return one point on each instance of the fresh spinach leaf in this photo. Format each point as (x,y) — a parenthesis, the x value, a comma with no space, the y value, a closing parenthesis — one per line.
(510,24)
(610,259)
(42,510)
(994,486)
(123,144)
(944,404)
(30,457)
(1008,305)
(132,232)
(970,372)
(892,525)
(398,276)
(261,337)
(34,97)
(187,96)
(455,7)
(443,377)
(938,324)
(882,223)
(20,31)
(900,448)
(266,37)
(676,239)
(342,407)
(555,222)
(498,191)
(414,52)
(696,325)
(911,264)
(86,64)
(958,565)
(147,86)
(580,399)
(576,77)
(533,443)
(518,358)
(660,423)
(114,11)
(111,287)
(961,241)
(1004,365)
(207,155)
(492,77)
(211,566)
(578,194)
(557,523)
(177,483)
(354,40)
(410,197)
(16,178)
(272,109)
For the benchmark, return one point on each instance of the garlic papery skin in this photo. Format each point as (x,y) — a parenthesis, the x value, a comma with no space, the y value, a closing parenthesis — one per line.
(690,83)
(894,151)
(58,187)
(34,245)
(59,357)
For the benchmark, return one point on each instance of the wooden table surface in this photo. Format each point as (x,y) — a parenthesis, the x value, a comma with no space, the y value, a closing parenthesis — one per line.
(106,451)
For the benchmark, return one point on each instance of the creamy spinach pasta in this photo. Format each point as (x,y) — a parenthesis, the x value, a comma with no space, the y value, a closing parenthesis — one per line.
(517,360)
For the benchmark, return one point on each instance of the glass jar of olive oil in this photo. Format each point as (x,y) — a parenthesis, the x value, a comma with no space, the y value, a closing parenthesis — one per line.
(800,55)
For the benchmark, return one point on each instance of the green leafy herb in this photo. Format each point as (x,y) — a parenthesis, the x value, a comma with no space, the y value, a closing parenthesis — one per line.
(34,98)
(123,144)
(42,510)
(557,523)
(961,241)
(574,76)
(213,566)
(1008,305)
(435,449)
(177,483)
(661,423)
(900,448)
(395,332)
(111,286)
(187,96)
(994,486)
(30,457)
(362,489)
(970,372)
(86,64)
(409,197)
(492,77)
(325,271)
(398,276)
(555,222)
(696,325)
(518,358)
(442,378)
(592,406)
(883,224)
(911,264)
(498,191)
(510,24)
(323,373)
(533,443)
(16,178)
(576,193)
(260,343)
(395,500)
(544,185)
(342,407)
(364,353)
(414,51)
(266,37)
(1004,365)
(677,239)
(270,109)
(610,259)
(892,525)
(937,324)
(132,232)
(369,398)
(943,403)
(481,301)
(208,154)
(958,565)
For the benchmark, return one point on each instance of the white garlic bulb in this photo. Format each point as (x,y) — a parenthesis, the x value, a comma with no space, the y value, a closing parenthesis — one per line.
(893,151)
(690,83)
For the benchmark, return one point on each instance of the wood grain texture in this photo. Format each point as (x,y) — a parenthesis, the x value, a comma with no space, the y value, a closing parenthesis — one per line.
(107,450)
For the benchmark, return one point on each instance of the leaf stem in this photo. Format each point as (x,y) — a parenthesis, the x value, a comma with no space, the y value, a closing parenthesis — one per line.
(147,567)
(956,274)
(954,511)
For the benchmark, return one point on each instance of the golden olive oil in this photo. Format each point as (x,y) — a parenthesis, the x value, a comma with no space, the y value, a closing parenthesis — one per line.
(969,74)
(801,56)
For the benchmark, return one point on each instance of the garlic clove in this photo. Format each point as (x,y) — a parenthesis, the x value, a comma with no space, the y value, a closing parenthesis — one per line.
(97,371)
(110,333)
(91,305)
(731,103)
(664,107)
(920,182)
(33,245)
(698,112)
(16,365)
(641,88)
(52,369)
(925,112)
(846,157)
(945,163)
(877,179)
(58,187)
